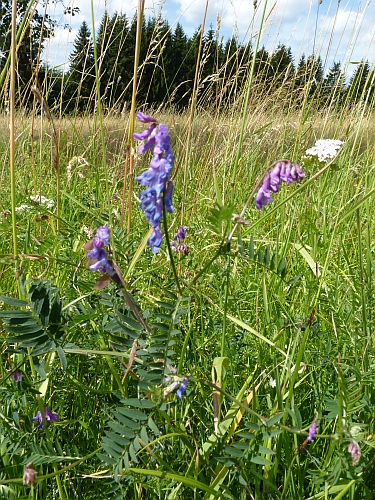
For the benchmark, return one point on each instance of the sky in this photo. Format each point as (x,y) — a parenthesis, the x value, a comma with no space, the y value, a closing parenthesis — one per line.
(338,30)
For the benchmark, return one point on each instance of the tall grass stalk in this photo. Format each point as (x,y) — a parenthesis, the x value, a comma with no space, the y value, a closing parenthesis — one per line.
(193,104)
(12,117)
(249,88)
(129,158)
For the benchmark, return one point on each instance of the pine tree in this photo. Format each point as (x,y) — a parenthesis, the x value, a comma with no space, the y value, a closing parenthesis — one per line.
(103,38)
(81,75)
(119,63)
(334,86)
(335,76)
(301,72)
(281,64)
(357,84)
(179,85)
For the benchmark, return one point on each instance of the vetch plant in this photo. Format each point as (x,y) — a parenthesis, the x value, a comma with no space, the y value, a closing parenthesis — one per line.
(158,194)
(280,171)
(98,257)
(49,416)
(16,376)
(177,243)
(355,451)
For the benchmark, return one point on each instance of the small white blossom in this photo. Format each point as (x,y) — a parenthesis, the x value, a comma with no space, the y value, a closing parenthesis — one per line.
(22,208)
(272,382)
(42,200)
(88,232)
(325,149)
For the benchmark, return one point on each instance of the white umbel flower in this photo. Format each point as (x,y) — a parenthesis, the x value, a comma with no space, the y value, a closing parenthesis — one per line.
(325,149)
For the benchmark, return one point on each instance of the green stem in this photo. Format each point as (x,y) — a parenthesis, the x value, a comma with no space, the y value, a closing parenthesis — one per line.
(245,113)
(184,346)
(99,113)
(223,335)
(112,368)
(169,249)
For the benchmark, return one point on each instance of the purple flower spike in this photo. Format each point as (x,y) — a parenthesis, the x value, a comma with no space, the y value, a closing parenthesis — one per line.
(50,417)
(156,177)
(281,171)
(181,390)
(177,244)
(312,432)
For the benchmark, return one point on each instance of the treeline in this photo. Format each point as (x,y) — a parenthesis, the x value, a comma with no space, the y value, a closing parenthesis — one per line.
(167,70)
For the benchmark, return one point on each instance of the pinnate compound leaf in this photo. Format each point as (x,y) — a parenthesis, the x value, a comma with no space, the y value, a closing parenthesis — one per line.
(10,301)
(274,420)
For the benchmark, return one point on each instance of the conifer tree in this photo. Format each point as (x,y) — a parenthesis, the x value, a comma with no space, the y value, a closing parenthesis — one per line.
(334,85)
(357,84)
(119,66)
(103,40)
(301,72)
(81,76)
(281,64)
(179,84)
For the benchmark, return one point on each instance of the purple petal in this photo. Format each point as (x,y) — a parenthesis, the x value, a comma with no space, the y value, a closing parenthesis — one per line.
(146,146)
(103,233)
(140,136)
(141,117)
(168,197)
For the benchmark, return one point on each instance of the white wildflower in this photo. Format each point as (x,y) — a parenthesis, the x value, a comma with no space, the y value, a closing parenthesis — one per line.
(325,149)
(42,200)
(272,382)
(22,208)
(88,232)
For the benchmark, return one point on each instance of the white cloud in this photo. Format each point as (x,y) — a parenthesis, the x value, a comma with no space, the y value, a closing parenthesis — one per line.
(57,49)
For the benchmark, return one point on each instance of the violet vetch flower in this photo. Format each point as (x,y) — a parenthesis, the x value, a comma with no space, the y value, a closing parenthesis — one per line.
(355,451)
(16,376)
(177,243)
(282,170)
(180,236)
(98,253)
(312,432)
(29,475)
(50,417)
(181,390)
(156,177)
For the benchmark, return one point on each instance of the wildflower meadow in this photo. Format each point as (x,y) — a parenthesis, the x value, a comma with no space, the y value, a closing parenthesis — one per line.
(186,293)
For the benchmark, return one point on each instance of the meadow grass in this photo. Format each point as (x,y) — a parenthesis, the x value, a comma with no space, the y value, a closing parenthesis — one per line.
(273,325)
